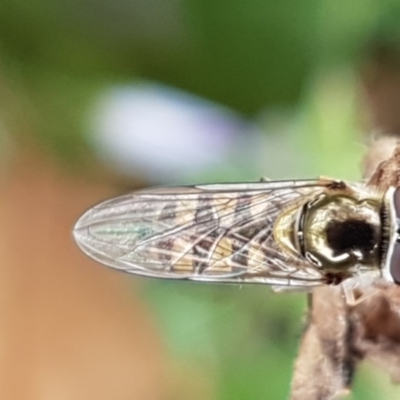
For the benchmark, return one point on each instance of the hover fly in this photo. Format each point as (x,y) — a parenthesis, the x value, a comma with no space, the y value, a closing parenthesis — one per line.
(288,234)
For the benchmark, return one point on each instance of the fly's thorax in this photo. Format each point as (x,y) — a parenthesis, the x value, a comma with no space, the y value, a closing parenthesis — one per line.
(336,232)
(342,232)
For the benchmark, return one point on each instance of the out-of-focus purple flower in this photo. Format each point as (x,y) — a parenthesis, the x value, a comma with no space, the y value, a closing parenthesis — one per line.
(166,135)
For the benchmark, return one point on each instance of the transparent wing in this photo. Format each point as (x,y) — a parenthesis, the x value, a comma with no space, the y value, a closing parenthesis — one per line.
(216,232)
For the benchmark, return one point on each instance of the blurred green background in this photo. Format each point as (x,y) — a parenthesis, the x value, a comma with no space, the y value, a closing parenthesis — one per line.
(290,70)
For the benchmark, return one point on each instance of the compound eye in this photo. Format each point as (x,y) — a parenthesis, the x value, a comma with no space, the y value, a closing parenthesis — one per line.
(395,264)
(395,257)
(396,201)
